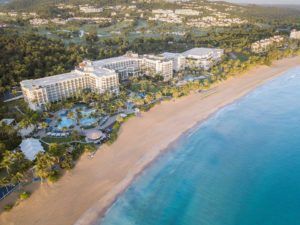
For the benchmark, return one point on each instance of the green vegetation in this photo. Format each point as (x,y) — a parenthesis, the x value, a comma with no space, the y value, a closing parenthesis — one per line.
(31,56)
(114,133)
(15,165)
(8,207)
(24,195)
(58,139)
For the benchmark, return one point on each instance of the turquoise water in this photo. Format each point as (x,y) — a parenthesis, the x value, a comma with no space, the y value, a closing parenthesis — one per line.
(86,113)
(66,122)
(240,167)
(88,121)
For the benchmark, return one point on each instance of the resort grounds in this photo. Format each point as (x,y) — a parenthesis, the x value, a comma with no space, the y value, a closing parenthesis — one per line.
(84,193)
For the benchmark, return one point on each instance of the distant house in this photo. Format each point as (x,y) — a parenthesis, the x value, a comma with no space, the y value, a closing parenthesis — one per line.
(265,44)
(90,9)
(31,147)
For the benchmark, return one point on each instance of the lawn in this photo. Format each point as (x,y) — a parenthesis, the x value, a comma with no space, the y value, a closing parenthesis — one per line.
(61,139)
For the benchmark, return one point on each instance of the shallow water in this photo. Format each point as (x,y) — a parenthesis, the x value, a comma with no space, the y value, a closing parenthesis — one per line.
(240,167)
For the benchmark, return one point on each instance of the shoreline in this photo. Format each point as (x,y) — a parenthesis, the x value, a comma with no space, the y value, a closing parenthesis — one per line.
(90,218)
(94,185)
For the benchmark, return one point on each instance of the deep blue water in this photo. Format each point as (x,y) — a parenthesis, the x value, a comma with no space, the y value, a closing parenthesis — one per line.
(240,167)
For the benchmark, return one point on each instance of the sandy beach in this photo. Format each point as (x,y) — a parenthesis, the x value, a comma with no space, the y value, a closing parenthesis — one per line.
(83,194)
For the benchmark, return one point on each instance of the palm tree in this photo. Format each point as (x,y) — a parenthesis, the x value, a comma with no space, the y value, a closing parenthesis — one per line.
(44,165)
(89,148)
(71,115)
(17,178)
(119,119)
(44,125)
(75,135)
(6,161)
(15,164)
(26,122)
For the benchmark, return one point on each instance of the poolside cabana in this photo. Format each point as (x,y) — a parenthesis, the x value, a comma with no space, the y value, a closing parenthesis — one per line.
(31,147)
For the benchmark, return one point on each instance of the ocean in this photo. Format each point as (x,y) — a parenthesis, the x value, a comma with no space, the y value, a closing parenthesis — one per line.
(239,167)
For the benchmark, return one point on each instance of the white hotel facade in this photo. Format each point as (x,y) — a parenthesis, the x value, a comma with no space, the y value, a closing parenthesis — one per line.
(39,92)
(203,58)
(104,75)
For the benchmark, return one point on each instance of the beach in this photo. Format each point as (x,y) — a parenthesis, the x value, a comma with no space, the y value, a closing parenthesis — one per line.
(83,194)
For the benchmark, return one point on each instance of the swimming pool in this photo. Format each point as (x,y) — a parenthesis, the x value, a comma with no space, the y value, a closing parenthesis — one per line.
(87,121)
(65,122)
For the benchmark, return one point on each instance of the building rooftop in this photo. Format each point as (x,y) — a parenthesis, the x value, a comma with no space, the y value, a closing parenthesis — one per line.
(93,134)
(199,52)
(170,55)
(78,73)
(51,79)
(31,147)
(96,70)
(159,58)
(117,59)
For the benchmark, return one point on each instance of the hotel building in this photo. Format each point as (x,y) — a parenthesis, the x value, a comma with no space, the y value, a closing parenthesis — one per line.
(104,75)
(203,58)
(157,65)
(39,92)
(127,65)
(177,58)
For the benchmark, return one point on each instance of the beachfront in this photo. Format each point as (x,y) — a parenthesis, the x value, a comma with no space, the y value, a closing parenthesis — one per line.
(97,182)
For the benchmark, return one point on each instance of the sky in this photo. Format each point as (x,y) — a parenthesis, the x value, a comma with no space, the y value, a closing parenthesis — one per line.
(271,2)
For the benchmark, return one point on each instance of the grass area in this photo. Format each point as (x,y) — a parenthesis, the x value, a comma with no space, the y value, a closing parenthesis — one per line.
(114,133)
(61,139)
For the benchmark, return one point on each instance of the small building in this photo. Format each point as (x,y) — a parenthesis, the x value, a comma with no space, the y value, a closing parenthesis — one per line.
(8,122)
(93,135)
(31,147)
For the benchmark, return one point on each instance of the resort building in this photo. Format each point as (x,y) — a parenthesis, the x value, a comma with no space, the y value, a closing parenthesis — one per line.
(177,58)
(203,58)
(295,34)
(104,75)
(265,44)
(126,65)
(39,92)
(158,65)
